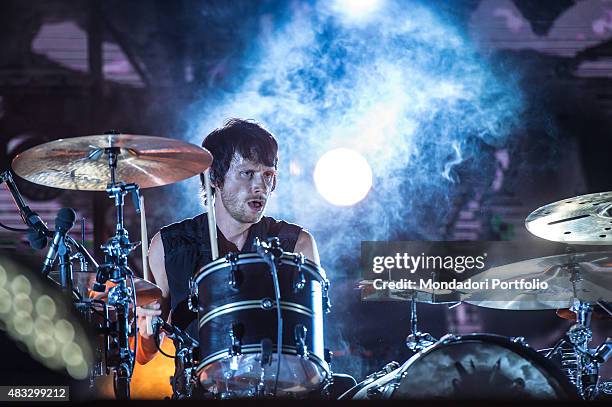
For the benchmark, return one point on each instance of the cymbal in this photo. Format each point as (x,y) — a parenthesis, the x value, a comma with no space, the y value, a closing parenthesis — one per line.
(585,277)
(585,219)
(146,291)
(370,293)
(81,163)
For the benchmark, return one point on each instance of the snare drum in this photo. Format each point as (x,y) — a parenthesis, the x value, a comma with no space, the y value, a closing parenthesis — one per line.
(476,366)
(237,323)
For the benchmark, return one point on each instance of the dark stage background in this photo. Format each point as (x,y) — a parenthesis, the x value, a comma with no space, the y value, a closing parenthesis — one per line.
(471,113)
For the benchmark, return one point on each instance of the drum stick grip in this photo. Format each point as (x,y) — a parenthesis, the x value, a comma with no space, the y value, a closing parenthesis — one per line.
(212,221)
(144,238)
(149,325)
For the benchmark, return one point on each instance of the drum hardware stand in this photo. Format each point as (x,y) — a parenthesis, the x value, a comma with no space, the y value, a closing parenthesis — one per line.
(417,340)
(183,382)
(579,363)
(116,270)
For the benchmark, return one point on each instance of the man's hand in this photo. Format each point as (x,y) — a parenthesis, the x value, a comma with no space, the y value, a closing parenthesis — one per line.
(145,314)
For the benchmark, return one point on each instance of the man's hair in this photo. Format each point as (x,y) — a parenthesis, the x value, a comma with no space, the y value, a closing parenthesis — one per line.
(245,137)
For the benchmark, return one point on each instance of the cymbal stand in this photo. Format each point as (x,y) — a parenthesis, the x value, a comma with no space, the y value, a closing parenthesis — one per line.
(577,362)
(581,364)
(122,297)
(417,340)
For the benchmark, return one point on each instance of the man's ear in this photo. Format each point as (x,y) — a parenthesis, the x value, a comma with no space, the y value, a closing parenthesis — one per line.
(213,184)
(274,183)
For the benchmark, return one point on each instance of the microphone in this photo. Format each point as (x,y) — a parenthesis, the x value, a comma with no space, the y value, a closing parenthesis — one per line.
(63,223)
(37,239)
(159,325)
(31,218)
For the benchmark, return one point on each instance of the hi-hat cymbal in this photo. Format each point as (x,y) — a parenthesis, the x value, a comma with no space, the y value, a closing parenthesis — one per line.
(81,163)
(146,291)
(585,277)
(585,219)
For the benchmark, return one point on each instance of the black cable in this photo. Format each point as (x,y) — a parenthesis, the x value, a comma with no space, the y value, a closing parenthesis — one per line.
(12,229)
(279,333)
(159,347)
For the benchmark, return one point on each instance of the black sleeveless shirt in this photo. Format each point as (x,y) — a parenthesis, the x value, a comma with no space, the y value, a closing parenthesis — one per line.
(187,249)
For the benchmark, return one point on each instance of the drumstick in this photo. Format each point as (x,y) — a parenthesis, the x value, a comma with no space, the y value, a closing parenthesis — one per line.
(144,238)
(212,221)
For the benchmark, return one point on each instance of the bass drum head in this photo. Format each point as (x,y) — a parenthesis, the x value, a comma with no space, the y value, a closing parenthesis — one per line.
(244,376)
(487,367)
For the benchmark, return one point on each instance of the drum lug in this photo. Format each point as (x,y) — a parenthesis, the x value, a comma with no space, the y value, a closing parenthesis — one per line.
(326,301)
(327,355)
(234,278)
(520,340)
(391,366)
(266,352)
(236,332)
(299,281)
(192,298)
(388,368)
(448,338)
(300,332)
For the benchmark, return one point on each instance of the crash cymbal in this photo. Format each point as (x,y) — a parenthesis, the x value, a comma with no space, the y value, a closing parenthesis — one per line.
(585,219)
(585,277)
(370,293)
(81,163)
(146,291)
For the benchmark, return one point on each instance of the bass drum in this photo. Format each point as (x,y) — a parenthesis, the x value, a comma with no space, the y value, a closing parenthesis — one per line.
(476,366)
(238,327)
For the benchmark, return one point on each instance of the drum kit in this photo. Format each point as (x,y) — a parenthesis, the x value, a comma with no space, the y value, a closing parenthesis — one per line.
(260,315)
(485,366)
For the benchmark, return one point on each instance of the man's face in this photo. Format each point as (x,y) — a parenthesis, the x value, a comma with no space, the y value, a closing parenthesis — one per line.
(246,189)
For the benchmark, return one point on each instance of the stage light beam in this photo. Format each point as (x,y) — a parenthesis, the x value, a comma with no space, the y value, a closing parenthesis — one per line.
(343,177)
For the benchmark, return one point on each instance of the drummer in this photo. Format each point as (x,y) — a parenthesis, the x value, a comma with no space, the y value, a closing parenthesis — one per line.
(243,176)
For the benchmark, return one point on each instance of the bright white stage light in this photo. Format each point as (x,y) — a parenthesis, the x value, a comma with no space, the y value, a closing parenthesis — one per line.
(343,176)
(357,9)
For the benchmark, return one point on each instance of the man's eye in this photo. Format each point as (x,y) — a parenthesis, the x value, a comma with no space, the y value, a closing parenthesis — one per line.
(247,174)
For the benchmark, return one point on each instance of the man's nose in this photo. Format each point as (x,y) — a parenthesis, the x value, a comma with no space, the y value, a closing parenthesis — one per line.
(259,185)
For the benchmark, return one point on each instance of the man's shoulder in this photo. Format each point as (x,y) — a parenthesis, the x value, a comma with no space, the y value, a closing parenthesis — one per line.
(277,225)
(185,225)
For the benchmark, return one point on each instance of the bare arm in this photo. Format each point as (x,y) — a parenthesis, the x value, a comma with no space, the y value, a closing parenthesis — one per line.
(308,247)
(148,349)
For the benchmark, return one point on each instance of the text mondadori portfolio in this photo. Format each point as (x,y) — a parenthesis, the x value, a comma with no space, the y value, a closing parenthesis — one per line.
(486,284)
